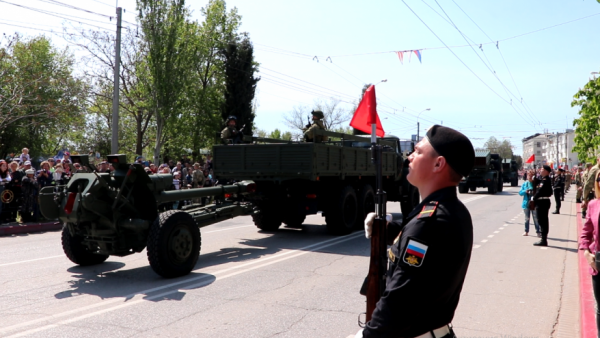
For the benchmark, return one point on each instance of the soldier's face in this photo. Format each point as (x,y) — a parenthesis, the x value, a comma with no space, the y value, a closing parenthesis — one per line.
(231,123)
(421,163)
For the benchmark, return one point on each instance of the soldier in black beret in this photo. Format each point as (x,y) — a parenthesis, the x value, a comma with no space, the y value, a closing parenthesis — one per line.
(542,204)
(559,187)
(431,248)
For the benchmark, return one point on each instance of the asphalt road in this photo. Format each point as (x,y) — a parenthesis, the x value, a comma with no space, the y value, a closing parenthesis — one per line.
(291,283)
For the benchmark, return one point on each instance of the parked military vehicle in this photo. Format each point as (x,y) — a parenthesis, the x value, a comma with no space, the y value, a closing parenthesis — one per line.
(510,172)
(116,214)
(296,179)
(487,173)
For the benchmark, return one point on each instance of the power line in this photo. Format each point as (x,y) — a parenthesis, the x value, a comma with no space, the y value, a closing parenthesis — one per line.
(62,4)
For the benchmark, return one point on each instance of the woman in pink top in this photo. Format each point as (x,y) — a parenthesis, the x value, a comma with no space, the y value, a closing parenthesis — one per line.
(588,242)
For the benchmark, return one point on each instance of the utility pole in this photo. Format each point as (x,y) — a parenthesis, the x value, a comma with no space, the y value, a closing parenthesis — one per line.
(418,131)
(114,147)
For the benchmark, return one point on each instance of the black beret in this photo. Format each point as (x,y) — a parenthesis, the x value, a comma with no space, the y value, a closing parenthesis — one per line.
(454,146)
(561,169)
(547,168)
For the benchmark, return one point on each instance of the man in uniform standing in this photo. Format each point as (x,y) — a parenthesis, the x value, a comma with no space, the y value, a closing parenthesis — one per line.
(559,186)
(230,132)
(578,184)
(588,186)
(309,136)
(542,204)
(431,246)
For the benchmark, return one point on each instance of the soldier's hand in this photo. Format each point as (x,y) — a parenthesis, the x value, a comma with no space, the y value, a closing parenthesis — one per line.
(591,259)
(369,223)
(584,204)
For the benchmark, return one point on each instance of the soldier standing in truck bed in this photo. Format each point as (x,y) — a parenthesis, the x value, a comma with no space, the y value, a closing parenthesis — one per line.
(309,136)
(230,132)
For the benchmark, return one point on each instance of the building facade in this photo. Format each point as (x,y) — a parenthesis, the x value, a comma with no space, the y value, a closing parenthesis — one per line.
(554,149)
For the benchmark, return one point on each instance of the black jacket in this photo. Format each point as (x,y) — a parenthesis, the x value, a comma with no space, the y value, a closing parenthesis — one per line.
(544,189)
(422,292)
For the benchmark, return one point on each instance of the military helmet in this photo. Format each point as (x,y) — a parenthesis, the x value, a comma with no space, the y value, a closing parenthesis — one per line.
(231,117)
(318,114)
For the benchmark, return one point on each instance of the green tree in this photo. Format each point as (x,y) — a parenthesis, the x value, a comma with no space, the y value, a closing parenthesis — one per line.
(163,24)
(587,125)
(240,81)
(504,148)
(41,101)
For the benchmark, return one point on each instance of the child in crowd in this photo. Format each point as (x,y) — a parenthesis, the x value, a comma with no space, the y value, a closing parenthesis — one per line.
(25,155)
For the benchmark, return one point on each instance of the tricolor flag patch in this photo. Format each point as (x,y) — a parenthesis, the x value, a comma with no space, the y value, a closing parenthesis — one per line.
(414,253)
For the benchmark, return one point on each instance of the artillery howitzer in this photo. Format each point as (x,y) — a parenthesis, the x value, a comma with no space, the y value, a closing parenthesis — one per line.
(487,173)
(117,214)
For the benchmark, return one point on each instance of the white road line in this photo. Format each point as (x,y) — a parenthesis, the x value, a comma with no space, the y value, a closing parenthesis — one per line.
(475,246)
(244,226)
(500,228)
(31,260)
(484,240)
(201,281)
(496,232)
(490,236)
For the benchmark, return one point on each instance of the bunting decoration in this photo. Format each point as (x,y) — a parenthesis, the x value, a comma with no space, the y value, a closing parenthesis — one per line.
(410,52)
(401,57)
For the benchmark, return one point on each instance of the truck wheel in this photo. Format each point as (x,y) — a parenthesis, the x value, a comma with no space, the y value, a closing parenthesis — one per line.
(463,189)
(341,217)
(413,200)
(77,252)
(514,182)
(293,220)
(268,217)
(173,244)
(472,188)
(500,185)
(493,188)
(366,204)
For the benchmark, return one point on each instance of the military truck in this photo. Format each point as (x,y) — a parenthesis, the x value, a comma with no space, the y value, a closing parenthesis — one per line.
(510,172)
(487,173)
(296,179)
(116,214)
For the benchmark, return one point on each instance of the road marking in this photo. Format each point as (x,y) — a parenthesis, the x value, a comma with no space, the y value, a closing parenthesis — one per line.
(490,236)
(496,232)
(474,198)
(484,240)
(31,260)
(475,246)
(201,281)
(244,226)
(544,248)
(500,228)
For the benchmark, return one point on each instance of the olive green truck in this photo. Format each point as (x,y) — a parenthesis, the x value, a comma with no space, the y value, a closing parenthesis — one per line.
(296,179)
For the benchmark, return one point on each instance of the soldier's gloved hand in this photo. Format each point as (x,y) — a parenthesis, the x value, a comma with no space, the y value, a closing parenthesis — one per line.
(369,223)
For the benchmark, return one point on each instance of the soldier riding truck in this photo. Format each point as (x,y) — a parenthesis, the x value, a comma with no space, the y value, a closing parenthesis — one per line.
(275,182)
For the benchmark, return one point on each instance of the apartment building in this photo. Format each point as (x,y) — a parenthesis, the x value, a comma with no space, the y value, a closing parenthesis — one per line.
(554,149)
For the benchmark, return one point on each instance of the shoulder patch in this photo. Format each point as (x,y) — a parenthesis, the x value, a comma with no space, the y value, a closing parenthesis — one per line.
(428,209)
(414,254)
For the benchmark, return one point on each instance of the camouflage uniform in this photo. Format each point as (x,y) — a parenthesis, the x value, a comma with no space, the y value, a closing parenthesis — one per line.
(588,185)
(578,184)
(228,133)
(318,124)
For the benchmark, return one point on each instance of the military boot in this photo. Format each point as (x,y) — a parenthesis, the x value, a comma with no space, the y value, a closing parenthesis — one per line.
(542,242)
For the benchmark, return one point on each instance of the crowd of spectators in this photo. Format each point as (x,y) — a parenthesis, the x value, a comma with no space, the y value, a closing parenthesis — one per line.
(20,182)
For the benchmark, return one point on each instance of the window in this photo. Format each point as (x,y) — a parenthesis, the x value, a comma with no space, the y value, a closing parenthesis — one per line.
(539,144)
(539,152)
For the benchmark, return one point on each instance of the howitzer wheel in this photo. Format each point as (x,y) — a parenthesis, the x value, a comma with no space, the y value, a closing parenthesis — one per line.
(77,252)
(268,217)
(173,244)
(341,216)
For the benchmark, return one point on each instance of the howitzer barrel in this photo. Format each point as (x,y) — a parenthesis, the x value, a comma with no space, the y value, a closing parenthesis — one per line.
(244,187)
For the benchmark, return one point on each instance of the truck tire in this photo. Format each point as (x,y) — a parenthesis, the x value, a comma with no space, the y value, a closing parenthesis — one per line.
(473,188)
(493,187)
(293,220)
(268,217)
(412,201)
(77,252)
(463,189)
(342,214)
(514,182)
(366,204)
(173,244)
(500,185)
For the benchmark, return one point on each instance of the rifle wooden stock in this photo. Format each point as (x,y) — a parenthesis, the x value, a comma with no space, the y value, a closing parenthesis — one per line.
(377,265)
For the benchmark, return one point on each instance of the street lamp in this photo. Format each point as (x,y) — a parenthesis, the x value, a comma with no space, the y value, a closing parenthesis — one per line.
(384,80)
(418,126)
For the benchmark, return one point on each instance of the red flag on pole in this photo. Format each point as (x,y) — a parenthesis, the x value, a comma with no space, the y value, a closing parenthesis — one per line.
(531,159)
(366,114)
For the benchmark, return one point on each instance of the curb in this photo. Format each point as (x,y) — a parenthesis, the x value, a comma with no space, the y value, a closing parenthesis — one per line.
(26,228)
(588,313)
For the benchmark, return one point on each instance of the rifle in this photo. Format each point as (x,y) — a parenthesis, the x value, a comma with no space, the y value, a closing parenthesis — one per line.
(375,282)
(239,136)
(308,119)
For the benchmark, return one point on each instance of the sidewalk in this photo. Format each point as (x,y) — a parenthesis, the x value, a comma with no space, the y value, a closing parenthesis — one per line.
(28,228)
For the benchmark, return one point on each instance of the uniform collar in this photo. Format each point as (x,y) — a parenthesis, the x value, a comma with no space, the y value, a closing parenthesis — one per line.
(437,195)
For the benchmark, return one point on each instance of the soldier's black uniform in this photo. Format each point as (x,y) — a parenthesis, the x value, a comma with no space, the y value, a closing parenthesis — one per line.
(558,187)
(428,265)
(542,206)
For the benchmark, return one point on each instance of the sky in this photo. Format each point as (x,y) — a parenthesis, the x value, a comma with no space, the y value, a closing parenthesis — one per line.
(507,68)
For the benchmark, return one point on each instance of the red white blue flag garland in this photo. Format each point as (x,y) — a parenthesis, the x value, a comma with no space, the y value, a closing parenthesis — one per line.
(401,55)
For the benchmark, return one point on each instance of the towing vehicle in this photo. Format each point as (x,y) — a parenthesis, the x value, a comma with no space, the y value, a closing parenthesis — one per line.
(486,173)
